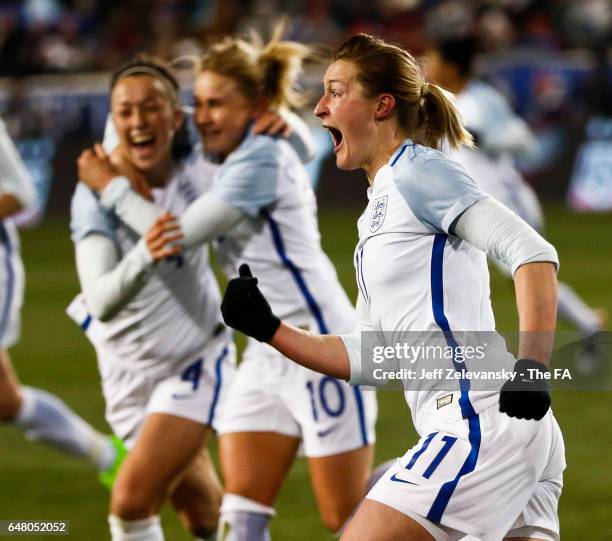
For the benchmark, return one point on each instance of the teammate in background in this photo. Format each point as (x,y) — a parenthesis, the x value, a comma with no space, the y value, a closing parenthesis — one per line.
(145,110)
(421,266)
(500,136)
(40,415)
(261,209)
(152,314)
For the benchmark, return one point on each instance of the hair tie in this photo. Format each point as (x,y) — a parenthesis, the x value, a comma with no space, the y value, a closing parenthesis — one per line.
(424,89)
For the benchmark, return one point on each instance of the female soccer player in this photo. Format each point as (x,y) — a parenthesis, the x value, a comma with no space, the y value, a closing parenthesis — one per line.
(261,209)
(483,469)
(164,355)
(41,415)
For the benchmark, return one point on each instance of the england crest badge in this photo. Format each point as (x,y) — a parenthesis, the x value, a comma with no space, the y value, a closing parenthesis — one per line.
(379,211)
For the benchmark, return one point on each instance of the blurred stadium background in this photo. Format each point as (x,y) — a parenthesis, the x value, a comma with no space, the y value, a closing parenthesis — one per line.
(550,58)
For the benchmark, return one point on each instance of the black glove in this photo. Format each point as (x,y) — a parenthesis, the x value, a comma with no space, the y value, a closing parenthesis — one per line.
(527,397)
(244,307)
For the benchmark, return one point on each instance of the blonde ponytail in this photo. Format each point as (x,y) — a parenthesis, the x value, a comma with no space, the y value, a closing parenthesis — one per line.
(439,119)
(281,64)
(262,71)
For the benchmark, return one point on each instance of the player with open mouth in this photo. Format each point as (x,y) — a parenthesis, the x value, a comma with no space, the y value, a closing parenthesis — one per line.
(151,311)
(489,464)
(261,208)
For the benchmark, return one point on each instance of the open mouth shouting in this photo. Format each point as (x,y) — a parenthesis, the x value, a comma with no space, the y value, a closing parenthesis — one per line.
(142,143)
(336,136)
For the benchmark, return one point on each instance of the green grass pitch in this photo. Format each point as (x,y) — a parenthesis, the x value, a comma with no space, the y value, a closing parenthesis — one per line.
(38,483)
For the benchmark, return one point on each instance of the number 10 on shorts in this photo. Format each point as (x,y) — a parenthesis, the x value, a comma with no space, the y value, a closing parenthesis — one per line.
(328,396)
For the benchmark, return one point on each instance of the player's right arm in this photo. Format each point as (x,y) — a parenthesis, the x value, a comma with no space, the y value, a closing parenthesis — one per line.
(336,356)
(323,353)
(247,183)
(245,308)
(210,216)
(109,281)
(16,186)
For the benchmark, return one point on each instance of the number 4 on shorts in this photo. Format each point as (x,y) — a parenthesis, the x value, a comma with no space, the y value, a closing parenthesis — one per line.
(193,373)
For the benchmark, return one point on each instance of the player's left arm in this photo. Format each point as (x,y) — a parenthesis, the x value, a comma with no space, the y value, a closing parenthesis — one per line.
(490,226)
(16,185)
(447,200)
(535,286)
(503,235)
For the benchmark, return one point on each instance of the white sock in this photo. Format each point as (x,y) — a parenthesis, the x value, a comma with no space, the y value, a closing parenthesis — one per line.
(146,529)
(243,519)
(573,309)
(46,418)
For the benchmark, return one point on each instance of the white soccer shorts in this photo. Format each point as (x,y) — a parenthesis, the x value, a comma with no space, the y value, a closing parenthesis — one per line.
(11,294)
(487,477)
(270,393)
(196,390)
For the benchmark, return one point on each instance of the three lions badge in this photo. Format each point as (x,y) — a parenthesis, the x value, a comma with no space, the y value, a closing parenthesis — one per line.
(379,211)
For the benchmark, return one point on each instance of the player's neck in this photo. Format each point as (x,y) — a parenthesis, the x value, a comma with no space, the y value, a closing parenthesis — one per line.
(158,177)
(388,142)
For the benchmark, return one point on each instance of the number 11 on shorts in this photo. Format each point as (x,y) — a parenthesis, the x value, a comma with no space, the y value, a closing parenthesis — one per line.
(449,441)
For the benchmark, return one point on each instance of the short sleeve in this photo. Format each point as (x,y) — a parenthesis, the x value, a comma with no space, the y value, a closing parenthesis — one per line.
(248,180)
(87,216)
(438,191)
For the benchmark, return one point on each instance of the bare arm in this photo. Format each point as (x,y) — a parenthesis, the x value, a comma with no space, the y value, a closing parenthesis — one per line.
(322,353)
(492,227)
(535,285)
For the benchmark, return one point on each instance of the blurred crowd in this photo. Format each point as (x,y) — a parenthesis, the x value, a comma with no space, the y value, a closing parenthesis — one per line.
(42,36)
(550,58)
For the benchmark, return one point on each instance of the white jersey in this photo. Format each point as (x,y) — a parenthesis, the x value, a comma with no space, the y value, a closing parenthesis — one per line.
(17,181)
(500,135)
(279,238)
(413,275)
(486,114)
(265,179)
(177,312)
